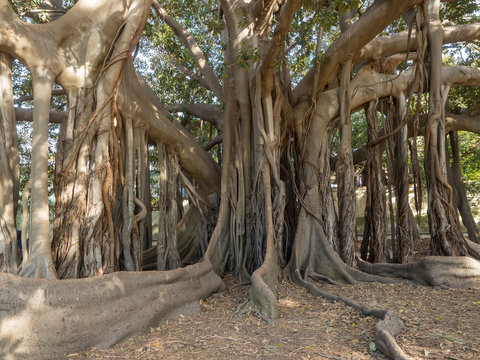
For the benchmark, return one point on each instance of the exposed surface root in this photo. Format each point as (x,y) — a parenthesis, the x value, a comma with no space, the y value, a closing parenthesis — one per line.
(450,271)
(48,319)
(386,329)
(385,332)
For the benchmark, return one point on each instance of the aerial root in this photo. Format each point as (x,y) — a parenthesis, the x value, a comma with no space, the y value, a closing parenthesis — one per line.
(386,329)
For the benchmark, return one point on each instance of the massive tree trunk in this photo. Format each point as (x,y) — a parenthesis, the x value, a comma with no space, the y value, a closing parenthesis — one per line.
(86,242)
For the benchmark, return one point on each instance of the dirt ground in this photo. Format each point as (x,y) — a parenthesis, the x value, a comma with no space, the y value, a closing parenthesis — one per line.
(439,324)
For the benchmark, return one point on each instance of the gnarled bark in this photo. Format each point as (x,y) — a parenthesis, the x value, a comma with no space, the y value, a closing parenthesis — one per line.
(446,236)
(374,237)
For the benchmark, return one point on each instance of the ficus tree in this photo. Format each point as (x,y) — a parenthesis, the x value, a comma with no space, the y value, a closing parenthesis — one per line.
(275,81)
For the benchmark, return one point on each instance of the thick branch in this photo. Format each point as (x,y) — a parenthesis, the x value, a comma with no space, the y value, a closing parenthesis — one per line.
(55,92)
(288,12)
(397,43)
(134,102)
(462,122)
(21,114)
(206,112)
(373,21)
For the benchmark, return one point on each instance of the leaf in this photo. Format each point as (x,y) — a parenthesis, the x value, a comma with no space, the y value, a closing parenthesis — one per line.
(372,346)
(279,344)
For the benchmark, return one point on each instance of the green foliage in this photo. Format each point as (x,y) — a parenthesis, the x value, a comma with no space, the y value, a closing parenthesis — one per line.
(160,52)
(469,147)
(247,57)
(459,12)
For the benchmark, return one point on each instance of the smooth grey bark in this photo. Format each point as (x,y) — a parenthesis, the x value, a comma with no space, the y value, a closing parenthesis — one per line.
(40,263)
(9,171)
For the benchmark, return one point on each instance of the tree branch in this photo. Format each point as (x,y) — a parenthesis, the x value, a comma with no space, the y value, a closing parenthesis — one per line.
(56,117)
(135,102)
(397,43)
(373,21)
(182,68)
(288,13)
(55,92)
(205,112)
(192,46)
(462,122)
(215,141)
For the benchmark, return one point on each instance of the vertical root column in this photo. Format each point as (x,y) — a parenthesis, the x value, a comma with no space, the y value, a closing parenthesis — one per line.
(40,262)
(9,171)
(373,246)
(167,253)
(345,171)
(72,164)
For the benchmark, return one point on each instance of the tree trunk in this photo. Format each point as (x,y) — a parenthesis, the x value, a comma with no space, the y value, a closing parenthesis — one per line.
(167,253)
(374,237)
(404,245)
(345,172)
(9,171)
(96,171)
(446,235)
(40,262)
(459,192)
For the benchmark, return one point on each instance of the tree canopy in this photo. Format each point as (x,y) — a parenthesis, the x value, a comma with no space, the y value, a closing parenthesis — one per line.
(242,126)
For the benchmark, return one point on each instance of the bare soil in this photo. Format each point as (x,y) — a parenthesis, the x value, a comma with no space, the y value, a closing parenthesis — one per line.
(439,324)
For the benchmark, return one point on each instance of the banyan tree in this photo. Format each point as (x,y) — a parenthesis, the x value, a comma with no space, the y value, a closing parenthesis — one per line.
(262,205)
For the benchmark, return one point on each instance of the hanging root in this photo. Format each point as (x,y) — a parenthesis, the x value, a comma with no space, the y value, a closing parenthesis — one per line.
(386,329)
